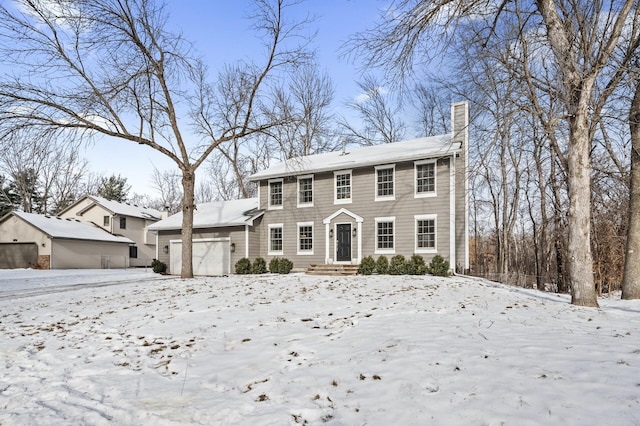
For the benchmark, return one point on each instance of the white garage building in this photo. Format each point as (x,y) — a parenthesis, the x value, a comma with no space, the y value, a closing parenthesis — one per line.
(29,240)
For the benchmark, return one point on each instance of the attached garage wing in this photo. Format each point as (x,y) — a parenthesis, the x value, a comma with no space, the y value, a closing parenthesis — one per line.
(211,256)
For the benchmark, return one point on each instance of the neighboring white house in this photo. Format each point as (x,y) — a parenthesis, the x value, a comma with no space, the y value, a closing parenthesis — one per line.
(128,220)
(50,242)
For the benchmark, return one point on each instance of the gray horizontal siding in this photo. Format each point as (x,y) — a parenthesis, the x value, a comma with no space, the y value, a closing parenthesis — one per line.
(403,208)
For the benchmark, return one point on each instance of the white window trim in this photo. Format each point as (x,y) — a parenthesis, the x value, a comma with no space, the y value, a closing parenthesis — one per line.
(385,197)
(276,207)
(385,251)
(303,205)
(274,252)
(335,187)
(416,218)
(313,242)
(434,193)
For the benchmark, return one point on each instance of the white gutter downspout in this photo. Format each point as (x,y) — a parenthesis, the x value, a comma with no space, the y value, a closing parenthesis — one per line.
(157,244)
(246,241)
(452,213)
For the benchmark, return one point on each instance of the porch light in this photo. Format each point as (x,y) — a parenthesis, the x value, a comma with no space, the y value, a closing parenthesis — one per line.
(354,232)
(232,247)
(165,249)
(330,233)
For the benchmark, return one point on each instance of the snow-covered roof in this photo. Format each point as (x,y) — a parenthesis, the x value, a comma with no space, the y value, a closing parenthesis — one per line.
(122,209)
(413,149)
(214,215)
(63,228)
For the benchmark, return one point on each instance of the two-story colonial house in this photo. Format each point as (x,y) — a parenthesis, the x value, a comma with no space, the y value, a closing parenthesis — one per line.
(127,220)
(398,198)
(338,207)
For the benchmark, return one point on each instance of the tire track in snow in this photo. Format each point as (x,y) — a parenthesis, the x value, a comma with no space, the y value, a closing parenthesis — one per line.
(32,292)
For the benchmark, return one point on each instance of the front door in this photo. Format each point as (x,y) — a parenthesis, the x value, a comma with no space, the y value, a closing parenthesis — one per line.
(343,242)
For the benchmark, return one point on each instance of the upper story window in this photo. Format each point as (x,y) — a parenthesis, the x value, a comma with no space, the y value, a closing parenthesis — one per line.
(275,194)
(123,222)
(342,187)
(425,172)
(385,183)
(305,191)
(425,234)
(105,220)
(385,235)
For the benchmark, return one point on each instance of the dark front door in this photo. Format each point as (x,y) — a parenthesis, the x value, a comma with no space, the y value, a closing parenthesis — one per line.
(343,242)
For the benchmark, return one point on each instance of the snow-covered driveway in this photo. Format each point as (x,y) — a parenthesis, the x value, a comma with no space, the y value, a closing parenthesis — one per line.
(15,283)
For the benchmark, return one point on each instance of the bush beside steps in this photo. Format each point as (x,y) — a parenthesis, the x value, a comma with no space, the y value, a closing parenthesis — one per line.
(399,265)
(277,265)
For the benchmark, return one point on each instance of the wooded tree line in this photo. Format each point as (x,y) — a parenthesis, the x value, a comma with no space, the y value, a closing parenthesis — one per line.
(553,88)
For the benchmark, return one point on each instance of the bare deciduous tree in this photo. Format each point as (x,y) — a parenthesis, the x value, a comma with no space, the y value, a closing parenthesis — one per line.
(378,114)
(434,112)
(167,184)
(111,68)
(582,38)
(631,279)
(46,169)
(306,100)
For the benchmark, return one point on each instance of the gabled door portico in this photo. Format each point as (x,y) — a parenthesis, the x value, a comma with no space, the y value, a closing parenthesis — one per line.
(341,238)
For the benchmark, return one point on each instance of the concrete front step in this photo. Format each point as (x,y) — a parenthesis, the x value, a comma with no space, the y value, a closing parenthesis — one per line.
(341,270)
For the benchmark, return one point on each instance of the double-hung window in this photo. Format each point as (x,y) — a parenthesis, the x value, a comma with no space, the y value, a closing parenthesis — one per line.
(385,235)
(305,191)
(425,173)
(275,194)
(385,183)
(426,234)
(276,240)
(123,222)
(342,187)
(305,238)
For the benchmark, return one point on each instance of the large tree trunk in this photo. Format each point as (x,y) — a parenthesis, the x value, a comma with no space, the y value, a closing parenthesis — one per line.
(188,189)
(580,262)
(631,279)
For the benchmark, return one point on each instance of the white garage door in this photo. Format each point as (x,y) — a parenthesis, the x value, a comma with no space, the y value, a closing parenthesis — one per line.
(211,256)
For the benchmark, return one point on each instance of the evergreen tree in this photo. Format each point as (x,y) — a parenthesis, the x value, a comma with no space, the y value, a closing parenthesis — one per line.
(114,188)
(9,199)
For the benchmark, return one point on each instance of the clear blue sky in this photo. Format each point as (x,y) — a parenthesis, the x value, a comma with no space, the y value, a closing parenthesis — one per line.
(220,31)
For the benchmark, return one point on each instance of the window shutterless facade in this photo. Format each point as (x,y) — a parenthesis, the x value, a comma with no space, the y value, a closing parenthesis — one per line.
(426,233)
(342,185)
(425,179)
(123,222)
(105,220)
(385,235)
(275,194)
(385,183)
(276,239)
(305,191)
(305,238)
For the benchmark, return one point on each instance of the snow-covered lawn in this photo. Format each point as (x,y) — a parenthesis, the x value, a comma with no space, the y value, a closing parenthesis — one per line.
(296,349)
